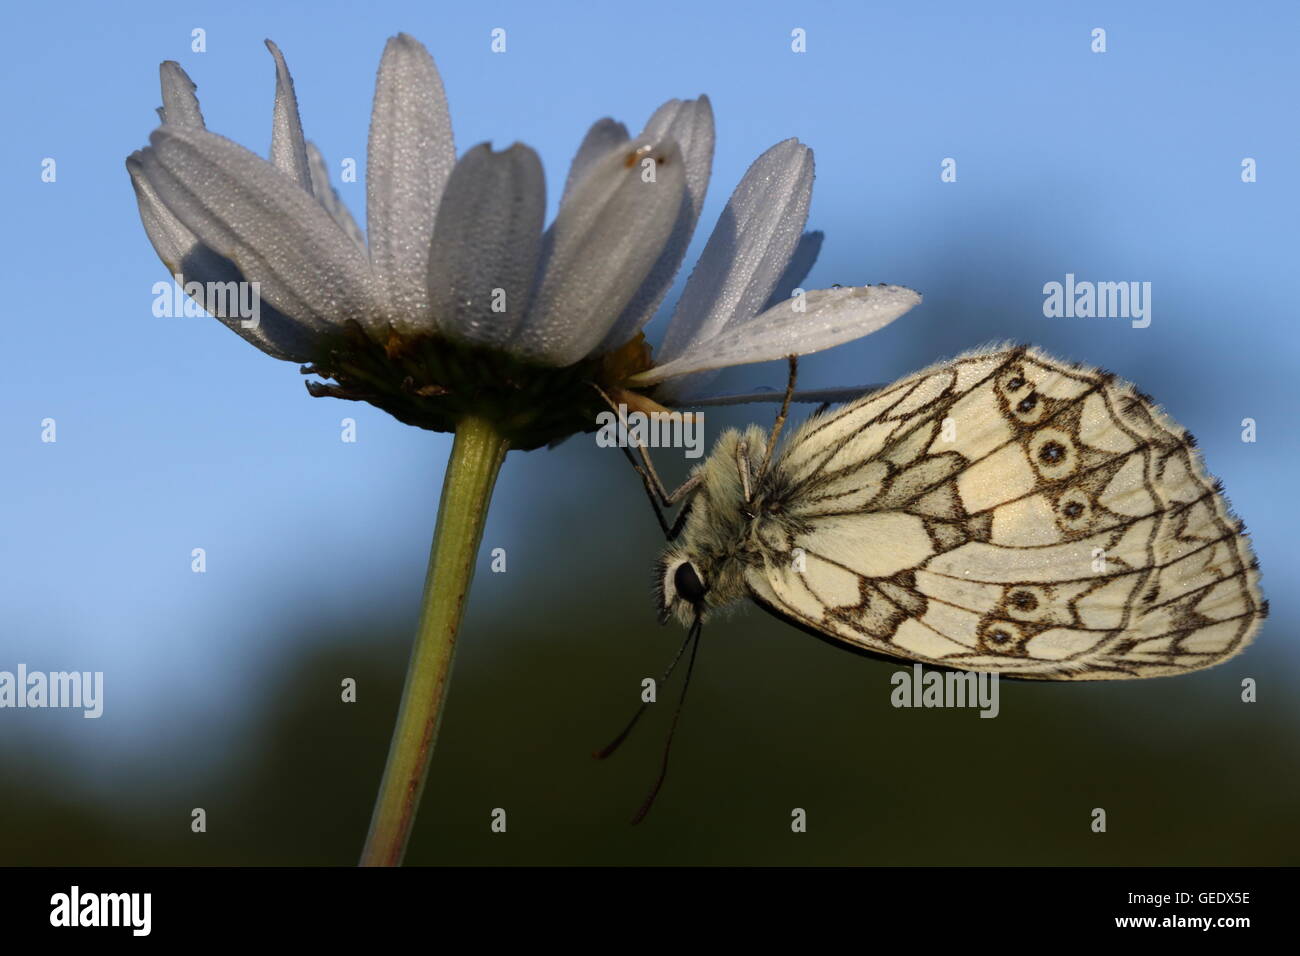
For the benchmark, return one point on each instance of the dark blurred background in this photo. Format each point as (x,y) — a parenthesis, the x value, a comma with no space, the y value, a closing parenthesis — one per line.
(223,689)
(549,667)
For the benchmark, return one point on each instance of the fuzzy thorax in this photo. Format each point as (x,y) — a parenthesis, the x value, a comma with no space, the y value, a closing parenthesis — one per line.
(718,540)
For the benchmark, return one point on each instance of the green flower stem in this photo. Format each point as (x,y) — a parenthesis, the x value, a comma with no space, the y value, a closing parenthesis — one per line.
(476,457)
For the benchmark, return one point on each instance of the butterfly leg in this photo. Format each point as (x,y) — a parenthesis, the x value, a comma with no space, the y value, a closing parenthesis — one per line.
(742,468)
(781,416)
(659,496)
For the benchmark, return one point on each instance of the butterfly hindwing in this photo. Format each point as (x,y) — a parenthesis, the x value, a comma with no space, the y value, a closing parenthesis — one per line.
(1008,512)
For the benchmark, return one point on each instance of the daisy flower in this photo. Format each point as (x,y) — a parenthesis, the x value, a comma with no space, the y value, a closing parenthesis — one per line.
(458,309)
(457,300)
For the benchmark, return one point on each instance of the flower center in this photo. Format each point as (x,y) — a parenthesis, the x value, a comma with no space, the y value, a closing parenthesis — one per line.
(431,382)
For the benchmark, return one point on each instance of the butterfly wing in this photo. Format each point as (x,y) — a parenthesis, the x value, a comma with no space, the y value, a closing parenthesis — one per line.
(1007,512)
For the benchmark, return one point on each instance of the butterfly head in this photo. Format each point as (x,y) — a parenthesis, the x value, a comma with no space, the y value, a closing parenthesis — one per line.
(682,588)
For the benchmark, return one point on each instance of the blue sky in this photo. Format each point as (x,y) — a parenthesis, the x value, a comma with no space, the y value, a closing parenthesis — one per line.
(174,434)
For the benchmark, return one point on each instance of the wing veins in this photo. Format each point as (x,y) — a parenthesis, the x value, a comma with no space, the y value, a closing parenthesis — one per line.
(1091,577)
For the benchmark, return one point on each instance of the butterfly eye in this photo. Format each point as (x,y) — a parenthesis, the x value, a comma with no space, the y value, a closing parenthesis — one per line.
(688,584)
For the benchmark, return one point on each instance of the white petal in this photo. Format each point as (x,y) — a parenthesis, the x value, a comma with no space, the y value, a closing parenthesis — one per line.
(690,125)
(599,249)
(604,137)
(831,317)
(328,197)
(486,242)
(801,263)
(288,148)
(748,251)
(245,209)
(410,156)
(183,255)
(180,104)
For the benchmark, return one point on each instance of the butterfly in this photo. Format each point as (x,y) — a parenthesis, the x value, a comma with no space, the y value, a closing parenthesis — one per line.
(1003,511)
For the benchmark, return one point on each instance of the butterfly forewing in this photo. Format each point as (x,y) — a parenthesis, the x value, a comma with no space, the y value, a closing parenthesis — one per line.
(1008,512)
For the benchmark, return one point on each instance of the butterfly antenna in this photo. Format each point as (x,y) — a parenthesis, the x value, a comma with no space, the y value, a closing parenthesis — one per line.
(668,744)
(781,416)
(614,744)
